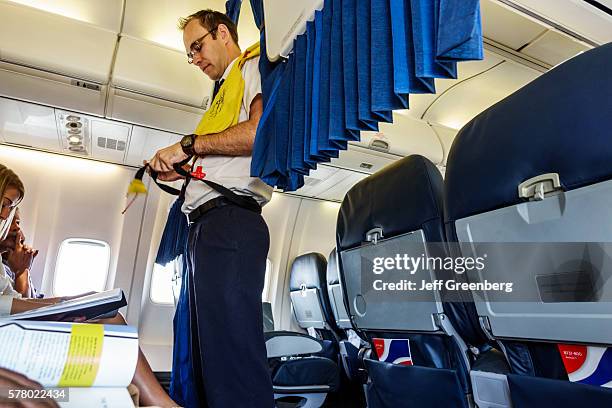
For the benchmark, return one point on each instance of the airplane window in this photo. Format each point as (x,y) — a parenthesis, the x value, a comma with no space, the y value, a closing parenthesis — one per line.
(161,283)
(82,266)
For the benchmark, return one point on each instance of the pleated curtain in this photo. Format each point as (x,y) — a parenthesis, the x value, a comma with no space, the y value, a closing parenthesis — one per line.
(356,62)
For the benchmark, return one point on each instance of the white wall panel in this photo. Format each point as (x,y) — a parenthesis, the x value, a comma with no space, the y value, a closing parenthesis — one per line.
(314,231)
(68,197)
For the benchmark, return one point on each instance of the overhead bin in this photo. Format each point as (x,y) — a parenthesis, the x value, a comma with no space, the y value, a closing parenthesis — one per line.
(553,48)
(152,112)
(35,85)
(55,43)
(154,86)
(578,16)
(144,67)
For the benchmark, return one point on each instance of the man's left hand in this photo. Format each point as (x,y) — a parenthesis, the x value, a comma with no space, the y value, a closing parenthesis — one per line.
(164,159)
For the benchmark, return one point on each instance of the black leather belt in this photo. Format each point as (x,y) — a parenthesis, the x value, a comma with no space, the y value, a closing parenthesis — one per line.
(220,202)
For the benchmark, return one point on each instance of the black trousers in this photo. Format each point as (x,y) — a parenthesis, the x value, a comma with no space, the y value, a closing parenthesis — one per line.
(228,247)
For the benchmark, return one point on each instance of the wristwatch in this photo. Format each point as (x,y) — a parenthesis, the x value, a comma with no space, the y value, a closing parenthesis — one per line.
(188,144)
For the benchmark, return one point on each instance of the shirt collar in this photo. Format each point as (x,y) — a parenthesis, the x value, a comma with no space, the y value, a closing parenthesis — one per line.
(228,69)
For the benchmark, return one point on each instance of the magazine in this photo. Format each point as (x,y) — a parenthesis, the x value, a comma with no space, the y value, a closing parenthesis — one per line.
(96,305)
(57,354)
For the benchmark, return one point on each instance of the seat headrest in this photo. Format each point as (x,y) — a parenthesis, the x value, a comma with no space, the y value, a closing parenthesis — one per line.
(400,198)
(332,268)
(559,123)
(309,270)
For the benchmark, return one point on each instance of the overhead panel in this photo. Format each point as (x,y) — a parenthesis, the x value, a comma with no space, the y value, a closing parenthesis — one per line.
(28,125)
(355,157)
(55,43)
(102,13)
(466,100)
(109,140)
(554,48)
(503,25)
(408,136)
(145,142)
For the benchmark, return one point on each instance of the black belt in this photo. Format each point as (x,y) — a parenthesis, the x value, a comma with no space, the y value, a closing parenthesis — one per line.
(218,202)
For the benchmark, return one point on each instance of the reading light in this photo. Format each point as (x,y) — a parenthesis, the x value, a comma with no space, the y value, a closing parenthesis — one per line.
(73,118)
(74,139)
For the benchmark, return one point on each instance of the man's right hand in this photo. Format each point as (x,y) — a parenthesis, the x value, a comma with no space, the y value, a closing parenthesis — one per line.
(170,175)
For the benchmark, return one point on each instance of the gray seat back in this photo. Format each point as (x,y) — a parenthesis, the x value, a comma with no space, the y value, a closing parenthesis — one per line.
(529,184)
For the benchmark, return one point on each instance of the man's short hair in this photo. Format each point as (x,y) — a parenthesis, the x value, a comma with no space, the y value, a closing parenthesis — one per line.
(210,20)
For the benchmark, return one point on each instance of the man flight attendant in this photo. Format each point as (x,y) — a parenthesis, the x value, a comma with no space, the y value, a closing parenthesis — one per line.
(228,238)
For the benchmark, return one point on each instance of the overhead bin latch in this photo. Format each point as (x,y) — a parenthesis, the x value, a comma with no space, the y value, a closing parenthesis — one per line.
(374,235)
(536,188)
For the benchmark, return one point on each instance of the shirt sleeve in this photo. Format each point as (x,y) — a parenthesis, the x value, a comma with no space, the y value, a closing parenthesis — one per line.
(6,284)
(6,302)
(252,82)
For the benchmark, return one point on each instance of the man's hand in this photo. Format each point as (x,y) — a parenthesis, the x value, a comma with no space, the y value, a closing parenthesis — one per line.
(171,175)
(164,159)
(21,259)
(10,380)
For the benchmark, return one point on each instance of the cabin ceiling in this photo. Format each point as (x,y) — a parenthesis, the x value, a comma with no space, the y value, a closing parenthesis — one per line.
(133,47)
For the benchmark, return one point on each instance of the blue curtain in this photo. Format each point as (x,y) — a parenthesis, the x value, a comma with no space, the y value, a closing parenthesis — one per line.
(257,7)
(232,9)
(356,62)
(173,247)
(174,237)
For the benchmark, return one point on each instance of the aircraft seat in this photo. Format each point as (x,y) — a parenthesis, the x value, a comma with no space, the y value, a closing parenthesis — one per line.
(529,184)
(422,343)
(350,343)
(304,366)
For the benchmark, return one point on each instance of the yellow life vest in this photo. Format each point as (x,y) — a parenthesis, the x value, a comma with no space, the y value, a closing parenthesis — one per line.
(225,108)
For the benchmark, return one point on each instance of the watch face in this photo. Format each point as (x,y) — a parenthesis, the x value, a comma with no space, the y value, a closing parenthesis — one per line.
(187,141)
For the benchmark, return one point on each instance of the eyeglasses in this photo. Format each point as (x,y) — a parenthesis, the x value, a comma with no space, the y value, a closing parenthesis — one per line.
(8,204)
(196,46)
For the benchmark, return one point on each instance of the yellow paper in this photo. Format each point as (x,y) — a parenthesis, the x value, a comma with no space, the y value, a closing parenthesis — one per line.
(84,354)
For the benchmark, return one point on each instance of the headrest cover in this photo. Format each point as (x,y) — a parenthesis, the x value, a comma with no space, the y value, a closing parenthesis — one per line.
(559,123)
(332,268)
(400,198)
(309,270)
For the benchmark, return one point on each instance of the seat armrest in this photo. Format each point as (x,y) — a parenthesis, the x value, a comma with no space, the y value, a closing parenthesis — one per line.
(285,344)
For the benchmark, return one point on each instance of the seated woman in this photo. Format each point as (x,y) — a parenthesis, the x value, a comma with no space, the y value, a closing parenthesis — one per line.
(11,193)
(18,259)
